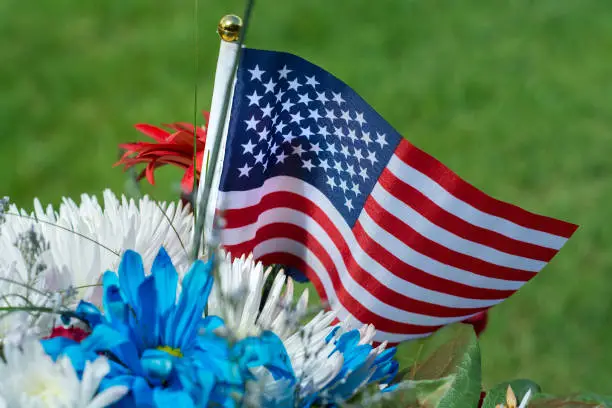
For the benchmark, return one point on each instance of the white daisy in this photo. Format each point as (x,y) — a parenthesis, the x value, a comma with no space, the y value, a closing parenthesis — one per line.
(317,363)
(86,240)
(30,379)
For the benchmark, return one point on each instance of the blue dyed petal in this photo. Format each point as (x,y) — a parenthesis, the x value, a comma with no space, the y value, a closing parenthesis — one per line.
(147,324)
(131,275)
(89,313)
(164,398)
(157,365)
(265,351)
(114,305)
(183,323)
(166,280)
(105,339)
(209,324)
(56,346)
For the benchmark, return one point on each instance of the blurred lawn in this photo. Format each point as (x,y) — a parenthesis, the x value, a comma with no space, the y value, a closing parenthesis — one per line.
(516,96)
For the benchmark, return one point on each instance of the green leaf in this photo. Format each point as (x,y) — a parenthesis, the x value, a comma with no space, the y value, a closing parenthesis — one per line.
(412,394)
(459,357)
(576,401)
(497,394)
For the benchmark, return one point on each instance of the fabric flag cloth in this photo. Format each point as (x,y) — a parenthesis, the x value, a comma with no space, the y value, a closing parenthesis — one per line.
(313,178)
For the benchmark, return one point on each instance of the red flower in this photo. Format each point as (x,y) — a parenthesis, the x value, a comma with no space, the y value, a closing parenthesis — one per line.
(479,322)
(72,333)
(174,148)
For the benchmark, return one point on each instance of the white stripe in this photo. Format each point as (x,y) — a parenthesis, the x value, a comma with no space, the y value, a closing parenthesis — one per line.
(430,265)
(366,299)
(447,239)
(465,211)
(238,235)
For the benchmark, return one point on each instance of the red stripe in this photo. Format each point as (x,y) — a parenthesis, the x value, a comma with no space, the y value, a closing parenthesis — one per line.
(353,306)
(450,222)
(419,277)
(464,191)
(433,250)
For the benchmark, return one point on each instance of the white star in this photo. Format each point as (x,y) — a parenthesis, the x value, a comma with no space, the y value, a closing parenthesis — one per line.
(288,137)
(248,147)
(280,158)
(294,84)
(331,148)
(254,99)
(339,132)
(359,118)
(280,127)
(331,182)
(312,81)
(314,114)
(273,148)
(259,157)
(296,117)
(345,151)
(323,131)
(358,155)
(307,164)
(338,98)
(263,134)
(380,139)
(355,189)
(324,164)
(315,148)
(256,73)
(366,138)
(244,171)
(363,172)
(252,123)
(267,111)
(372,157)
(307,132)
(265,165)
(352,135)
(279,95)
(270,86)
(287,105)
(350,169)
(329,114)
(304,99)
(346,116)
(343,185)
(298,150)
(275,118)
(348,203)
(321,97)
(338,166)
(284,72)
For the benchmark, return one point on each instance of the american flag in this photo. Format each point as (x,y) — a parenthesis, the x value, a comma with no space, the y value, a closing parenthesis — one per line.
(315,179)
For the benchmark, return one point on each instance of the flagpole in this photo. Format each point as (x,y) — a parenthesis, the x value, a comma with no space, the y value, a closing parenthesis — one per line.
(229,29)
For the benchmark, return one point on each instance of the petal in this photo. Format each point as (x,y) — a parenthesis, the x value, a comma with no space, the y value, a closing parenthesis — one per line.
(163,398)
(148,324)
(153,132)
(56,346)
(108,396)
(188,313)
(112,300)
(157,365)
(131,275)
(89,313)
(166,280)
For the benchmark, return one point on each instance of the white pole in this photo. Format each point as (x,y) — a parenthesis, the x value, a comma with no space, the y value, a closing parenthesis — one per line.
(218,121)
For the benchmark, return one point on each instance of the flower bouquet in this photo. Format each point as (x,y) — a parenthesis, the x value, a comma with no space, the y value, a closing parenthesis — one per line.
(131,302)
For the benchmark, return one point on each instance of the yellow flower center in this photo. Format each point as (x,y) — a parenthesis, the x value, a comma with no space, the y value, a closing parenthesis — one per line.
(172,351)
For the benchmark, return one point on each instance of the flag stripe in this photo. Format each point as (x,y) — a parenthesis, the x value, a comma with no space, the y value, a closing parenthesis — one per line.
(445,259)
(450,222)
(426,229)
(472,209)
(395,261)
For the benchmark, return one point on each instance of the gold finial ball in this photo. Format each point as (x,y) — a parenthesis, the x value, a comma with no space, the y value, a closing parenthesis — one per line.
(229,28)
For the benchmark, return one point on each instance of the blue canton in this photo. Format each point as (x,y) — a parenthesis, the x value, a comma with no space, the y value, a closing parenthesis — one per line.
(290,117)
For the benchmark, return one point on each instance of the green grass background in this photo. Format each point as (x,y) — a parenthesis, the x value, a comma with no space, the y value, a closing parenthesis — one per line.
(516,96)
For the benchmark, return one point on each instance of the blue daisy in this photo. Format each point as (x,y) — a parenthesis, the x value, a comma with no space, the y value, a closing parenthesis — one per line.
(163,348)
